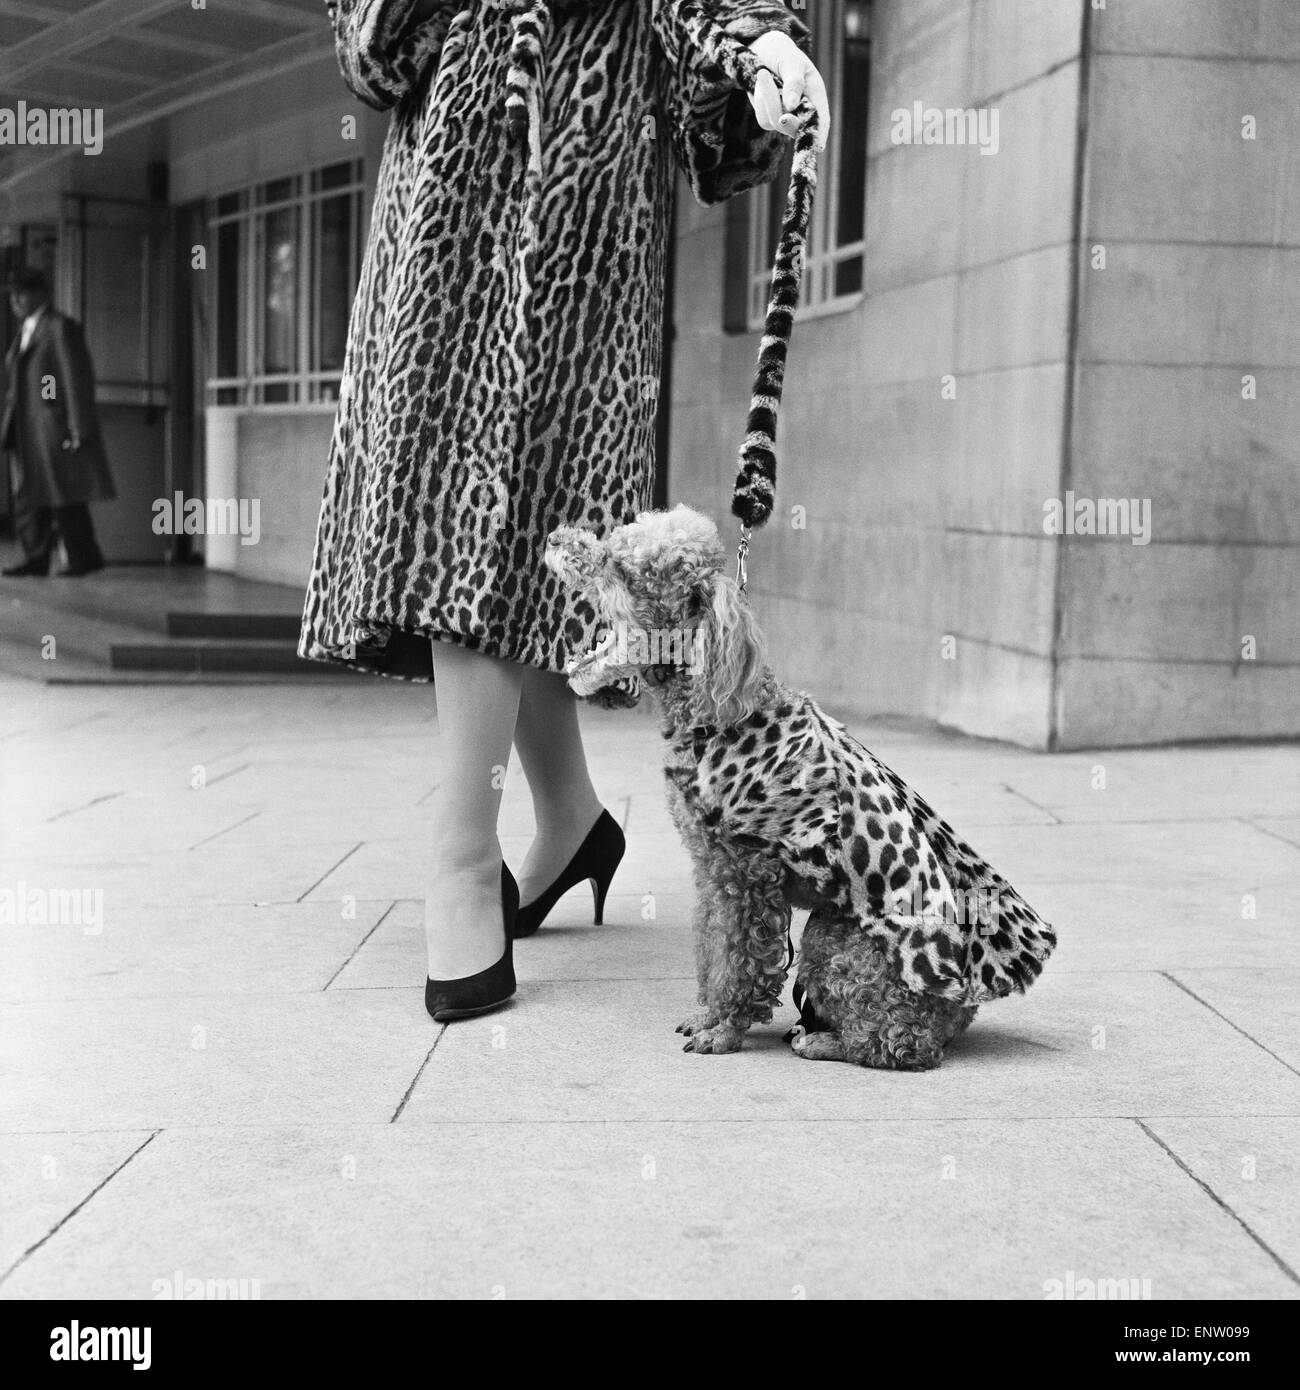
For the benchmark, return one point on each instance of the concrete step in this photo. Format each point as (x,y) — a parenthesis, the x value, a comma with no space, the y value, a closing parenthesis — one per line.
(34,632)
(74,670)
(214,655)
(152,625)
(147,596)
(261,627)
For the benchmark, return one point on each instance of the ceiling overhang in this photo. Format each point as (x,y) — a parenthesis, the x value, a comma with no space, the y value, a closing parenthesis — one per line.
(138,61)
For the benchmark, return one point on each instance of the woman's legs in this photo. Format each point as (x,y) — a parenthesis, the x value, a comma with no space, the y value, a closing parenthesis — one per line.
(478,704)
(565,804)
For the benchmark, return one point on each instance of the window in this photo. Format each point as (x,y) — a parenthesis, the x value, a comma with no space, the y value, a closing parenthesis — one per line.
(832,277)
(287,254)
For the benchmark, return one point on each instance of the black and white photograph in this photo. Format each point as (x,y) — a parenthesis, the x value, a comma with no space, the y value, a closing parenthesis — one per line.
(649,652)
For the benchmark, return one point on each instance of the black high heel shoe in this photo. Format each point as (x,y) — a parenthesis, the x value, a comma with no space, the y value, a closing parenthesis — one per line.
(490,988)
(597,858)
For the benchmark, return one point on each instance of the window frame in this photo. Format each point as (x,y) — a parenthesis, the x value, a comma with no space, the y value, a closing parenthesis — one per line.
(308,383)
(823,255)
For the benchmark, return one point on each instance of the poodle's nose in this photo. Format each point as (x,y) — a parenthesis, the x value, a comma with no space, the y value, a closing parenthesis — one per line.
(572,554)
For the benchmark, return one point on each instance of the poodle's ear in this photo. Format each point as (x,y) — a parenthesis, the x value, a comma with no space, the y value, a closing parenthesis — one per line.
(728,658)
(575,555)
(699,577)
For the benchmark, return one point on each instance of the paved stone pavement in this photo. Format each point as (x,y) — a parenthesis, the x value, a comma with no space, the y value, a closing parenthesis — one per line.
(229,1074)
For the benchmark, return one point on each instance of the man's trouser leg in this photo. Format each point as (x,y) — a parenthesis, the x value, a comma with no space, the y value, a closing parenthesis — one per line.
(34,528)
(78,532)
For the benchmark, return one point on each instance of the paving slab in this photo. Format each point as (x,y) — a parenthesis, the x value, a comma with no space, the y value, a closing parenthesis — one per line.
(45,1177)
(323,781)
(654,863)
(1216,783)
(1284,827)
(568,946)
(1077,1044)
(42,789)
(1227,856)
(1263,1003)
(212,949)
(1148,925)
(211,1059)
(406,818)
(208,874)
(684,1210)
(128,823)
(378,869)
(1252,1164)
(278,823)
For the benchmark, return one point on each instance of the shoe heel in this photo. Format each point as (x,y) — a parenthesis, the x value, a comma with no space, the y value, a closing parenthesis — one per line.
(600,884)
(597,859)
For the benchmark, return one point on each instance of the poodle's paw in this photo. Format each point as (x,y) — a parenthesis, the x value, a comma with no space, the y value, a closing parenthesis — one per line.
(697,1022)
(886,1055)
(916,1059)
(818,1047)
(721,1037)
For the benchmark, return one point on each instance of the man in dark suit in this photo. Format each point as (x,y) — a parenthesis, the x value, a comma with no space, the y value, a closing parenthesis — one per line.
(50,424)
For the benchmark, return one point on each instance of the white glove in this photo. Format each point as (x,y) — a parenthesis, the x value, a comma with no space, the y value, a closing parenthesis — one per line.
(779,54)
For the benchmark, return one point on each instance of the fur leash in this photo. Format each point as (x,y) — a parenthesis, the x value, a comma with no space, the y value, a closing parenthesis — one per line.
(755,488)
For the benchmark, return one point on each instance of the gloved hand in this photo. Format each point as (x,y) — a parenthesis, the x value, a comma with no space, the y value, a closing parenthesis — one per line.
(799,77)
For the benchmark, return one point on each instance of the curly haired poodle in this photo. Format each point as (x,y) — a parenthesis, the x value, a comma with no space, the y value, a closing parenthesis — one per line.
(780,808)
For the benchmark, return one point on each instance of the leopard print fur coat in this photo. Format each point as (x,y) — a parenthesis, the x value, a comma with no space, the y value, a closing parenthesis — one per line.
(503,357)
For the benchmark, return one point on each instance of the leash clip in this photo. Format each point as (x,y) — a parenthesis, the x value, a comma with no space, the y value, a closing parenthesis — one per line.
(742,557)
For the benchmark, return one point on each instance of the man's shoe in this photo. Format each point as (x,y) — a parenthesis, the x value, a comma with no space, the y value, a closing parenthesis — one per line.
(76,571)
(28,568)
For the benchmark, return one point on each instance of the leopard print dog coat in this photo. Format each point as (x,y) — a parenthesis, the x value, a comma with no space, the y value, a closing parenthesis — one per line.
(780,807)
(503,356)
